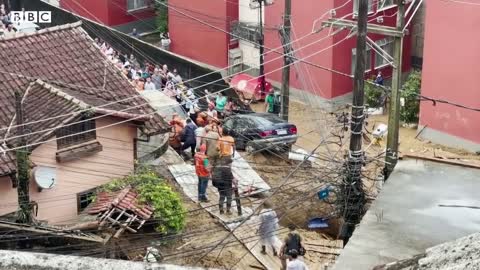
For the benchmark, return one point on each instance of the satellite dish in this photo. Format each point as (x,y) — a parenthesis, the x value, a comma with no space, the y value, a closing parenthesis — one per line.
(45,177)
(242,85)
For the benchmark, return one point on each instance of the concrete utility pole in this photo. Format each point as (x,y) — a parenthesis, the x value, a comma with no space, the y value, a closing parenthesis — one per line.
(262,48)
(391,157)
(394,107)
(353,187)
(354,193)
(287,48)
(23,176)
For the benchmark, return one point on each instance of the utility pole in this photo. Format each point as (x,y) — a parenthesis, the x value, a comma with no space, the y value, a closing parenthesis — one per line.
(25,207)
(262,49)
(391,156)
(287,48)
(354,196)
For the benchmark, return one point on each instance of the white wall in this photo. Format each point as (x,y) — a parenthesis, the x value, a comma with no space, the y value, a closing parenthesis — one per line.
(251,55)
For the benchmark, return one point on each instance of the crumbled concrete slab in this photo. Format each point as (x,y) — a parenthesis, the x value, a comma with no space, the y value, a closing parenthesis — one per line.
(19,260)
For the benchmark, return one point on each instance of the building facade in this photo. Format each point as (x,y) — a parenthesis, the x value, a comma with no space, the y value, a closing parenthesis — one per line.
(206,44)
(450,73)
(311,78)
(123,15)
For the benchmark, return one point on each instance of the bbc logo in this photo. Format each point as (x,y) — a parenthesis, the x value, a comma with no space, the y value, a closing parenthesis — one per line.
(31,16)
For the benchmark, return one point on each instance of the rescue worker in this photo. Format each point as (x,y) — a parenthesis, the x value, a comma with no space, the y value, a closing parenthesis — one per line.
(203,174)
(292,243)
(226,145)
(268,227)
(223,180)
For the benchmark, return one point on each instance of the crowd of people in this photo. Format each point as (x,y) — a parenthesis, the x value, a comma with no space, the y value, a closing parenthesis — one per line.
(7,28)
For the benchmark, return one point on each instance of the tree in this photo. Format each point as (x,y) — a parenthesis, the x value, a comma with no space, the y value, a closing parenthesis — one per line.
(410,91)
(162,16)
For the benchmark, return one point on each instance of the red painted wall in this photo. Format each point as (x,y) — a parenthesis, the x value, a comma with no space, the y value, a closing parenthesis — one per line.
(195,40)
(450,68)
(108,12)
(343,51)
(316,80)
(303,76)
(96,10)
(118,14)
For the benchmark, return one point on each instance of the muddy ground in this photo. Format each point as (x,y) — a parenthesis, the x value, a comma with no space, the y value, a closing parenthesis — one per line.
(295,200)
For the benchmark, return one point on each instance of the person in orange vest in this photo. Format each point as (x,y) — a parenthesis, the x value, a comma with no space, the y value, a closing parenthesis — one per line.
(226,144)
(203,173)
(176,126)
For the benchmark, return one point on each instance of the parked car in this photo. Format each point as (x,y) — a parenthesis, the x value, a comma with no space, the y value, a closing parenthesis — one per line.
(260,131)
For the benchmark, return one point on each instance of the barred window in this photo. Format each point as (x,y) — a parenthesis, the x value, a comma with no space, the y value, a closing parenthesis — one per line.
(78,133)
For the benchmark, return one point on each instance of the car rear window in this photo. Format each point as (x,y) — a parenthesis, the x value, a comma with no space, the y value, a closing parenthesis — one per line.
(267,120)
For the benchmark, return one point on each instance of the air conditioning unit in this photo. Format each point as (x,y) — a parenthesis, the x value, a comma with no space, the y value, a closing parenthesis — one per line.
(235,61)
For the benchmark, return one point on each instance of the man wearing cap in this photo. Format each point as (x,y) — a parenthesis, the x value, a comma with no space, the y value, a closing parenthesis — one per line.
(203,174)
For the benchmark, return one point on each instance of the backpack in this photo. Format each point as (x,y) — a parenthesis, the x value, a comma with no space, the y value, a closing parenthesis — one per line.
(294,243)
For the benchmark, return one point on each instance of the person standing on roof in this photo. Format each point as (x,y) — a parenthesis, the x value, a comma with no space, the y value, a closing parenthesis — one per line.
(220,103)
(267,229)
(203,174)
(175,133)
(226,144)
(292,243)
(270,102)
(188,137)
(223,180)
(211,140)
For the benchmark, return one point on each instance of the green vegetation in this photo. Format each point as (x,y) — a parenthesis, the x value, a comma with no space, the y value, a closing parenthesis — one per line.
(162,16)
(373,94)
(167,204)
(410,90)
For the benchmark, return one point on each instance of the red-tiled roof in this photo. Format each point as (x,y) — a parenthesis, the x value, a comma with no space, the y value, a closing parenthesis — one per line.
(70,67)
(125,199)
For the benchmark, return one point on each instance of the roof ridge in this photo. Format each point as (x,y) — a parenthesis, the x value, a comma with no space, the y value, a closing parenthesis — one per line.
(42,31)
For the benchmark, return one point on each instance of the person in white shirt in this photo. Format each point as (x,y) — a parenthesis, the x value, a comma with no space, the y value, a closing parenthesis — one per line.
(295,263)
(267,229)
(149,85)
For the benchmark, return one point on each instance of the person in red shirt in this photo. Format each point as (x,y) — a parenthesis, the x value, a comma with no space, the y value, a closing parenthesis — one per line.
(203,173)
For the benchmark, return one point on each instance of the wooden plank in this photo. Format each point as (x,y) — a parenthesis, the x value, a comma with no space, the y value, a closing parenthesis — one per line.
(325,250)
(449,162)
(325,243)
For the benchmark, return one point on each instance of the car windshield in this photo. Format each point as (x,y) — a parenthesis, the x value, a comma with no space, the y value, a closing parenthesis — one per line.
(267,120)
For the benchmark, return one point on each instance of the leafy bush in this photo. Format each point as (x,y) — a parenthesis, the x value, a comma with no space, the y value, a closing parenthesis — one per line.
(161,20)
(373,94)
(167,204)
(410,90)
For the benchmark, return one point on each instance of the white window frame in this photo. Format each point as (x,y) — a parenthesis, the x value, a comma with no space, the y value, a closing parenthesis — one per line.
(381,5)
(136,5)
(355,7)
(369,59)
(382,44)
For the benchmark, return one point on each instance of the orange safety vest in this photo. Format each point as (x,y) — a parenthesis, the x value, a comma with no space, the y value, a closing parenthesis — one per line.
(225,145)
(200,166)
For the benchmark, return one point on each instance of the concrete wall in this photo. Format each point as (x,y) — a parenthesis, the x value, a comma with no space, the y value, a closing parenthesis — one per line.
(108,12)
(92,9)
(418,36)
(314,80)
(450,72)
(251,55)
(198,41)
(59,204)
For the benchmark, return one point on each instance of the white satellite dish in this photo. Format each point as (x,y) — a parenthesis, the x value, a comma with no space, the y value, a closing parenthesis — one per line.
(45,177)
